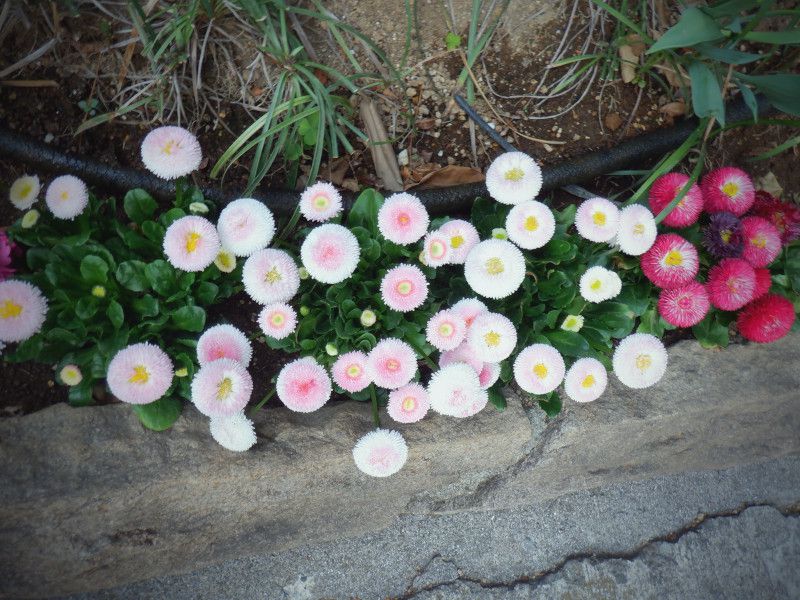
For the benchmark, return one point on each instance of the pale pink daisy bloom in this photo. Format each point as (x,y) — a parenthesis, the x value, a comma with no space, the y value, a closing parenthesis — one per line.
(171,152)
(235,433)
(455,390)
(139,374)
(191,243)
(245,226)
(349,371)
(22,310)
(469,308)
(320,202)
(461,238)
(66,197)
(221,388)
(404,288)
(224,341)
(492,337)
(586,380)
(391,363)
(446,330)
(489,375)
(409,403)
(436,249)
(640,360)
(513,177)
(637,230)
(303,385)
(530,225)
(539,369)
(270,276)
(277,320)
(380,453)
(597,220)
(684,306)
(403,219)
(330,253)
(495,268)
(462,354)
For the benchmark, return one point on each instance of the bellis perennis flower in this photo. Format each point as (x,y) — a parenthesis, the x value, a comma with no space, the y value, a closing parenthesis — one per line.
(455,390)
(320,202)
(461,237)
(597,220)
(530,225)
(492,337)
(684,306)
(463,353)
(665,189)
(762,241)
(278,320)
(728,189)
(303,385)
(408,404)
(330,253)
(403,219)
(139,374)
(66,197)
(22,310)
(731,283)
(380,453)
(245,226)
(469,308)
(495,268)
(722,237)
(391,363)
(404,288)
(191,243)
(586,380)
(171,152)
(24,191)
(671,262)
(270,276)
(224,341)
(446,330)
(640,360)
(235,433)
(513,177)
(349,371)
(768,319)
(436,249)
(221,388)
(598,284)
(636,231)
(539,369)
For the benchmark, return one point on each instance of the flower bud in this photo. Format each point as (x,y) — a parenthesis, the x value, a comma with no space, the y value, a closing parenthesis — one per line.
(30,218)
(182,372)
(198,208)
(225,261)
(368,318)
(99,291)
(305,311)
(302,272)
(331,349)
(499,233)
(70,375)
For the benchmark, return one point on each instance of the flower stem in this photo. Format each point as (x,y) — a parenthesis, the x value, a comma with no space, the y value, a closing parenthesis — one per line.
(375,416)
(422,354)
(262,402)
(286,231)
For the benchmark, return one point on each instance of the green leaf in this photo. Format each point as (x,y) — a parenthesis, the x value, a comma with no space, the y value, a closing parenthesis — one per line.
(452,41)
(139,205)
(161,277)
(131,275)
(569,343)
(792,268)
(706,93)
(787,37)
(159,415)
(727,55)
(694,27)
(94,269)
(497,399)
(86,307)
(364,212)
(782,90)
(81,394)
(147,306)
(206,292)
(189,318)
(710,332)
(749,99)
(169,217)
(551,404)
(115,314)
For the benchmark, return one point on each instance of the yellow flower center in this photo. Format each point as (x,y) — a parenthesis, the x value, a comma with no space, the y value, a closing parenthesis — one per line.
(140,375)
(725,235)
(759,241)
(25,189)
(445,330)
(404,288)
(515,174)
(494,266)
(531,224)
(596,285)
(64,195)
(599,218)
(674,258)
(492,339)
(353,371)
(403,219)
(409,403)
(393,364)
(730,189)
(277,319)
(588,381)
(456,241)
(192,241)
(167,148)
(638,229)
(272,276)
(321,202)
(643,362)
(571,322)
(224,389)
(540,370)
(10,310)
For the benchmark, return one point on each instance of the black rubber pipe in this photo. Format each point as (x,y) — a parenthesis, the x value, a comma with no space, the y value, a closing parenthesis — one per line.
(631,152)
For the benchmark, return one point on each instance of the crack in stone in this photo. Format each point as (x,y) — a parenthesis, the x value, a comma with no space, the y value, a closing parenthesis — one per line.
(672,537)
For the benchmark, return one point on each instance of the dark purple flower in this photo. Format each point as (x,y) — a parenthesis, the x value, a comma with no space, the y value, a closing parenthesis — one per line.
(722,236)
(6,248)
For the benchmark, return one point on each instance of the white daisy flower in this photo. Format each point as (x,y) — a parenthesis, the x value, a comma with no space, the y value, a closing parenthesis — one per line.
(597,220)
(24,191)
(380,453)
(270,276)
(320,202)
(66,197)
(235,433)
(455,390)
(636,230)
(245,226)
(640,360)
(586,380)
(330,253)
(539,369)
(530,225)
(513,177)
(599,284)
(495,268)
(492,337)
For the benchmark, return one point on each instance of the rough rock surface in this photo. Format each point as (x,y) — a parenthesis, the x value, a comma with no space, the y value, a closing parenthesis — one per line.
(499,501)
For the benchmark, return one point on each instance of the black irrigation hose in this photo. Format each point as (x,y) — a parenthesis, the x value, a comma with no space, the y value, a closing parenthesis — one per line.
(35,154)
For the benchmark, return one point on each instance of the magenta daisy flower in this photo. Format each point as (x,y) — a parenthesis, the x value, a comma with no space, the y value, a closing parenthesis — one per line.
(277,320)
(671,262)
(391,363)
(762,241)
(731,283)
(461,238)
(139,374)
(270,276)
(303,385)
(349,371)
(404,288)
(665,189)
(597,219)
(684,306)
(539,369)
(728,189)
(66,197)
(403,219)
(436,249)
(380,453)
(586,380)
(409,403)
(766,320)
(463,353)
(446,330)
(224,341)
(191,243)
(469,308)
(245,226)
(763,282)
(171,152)
(530,225)
(320,202)
(22,310)
(330,253)
(455,390)
(221,388)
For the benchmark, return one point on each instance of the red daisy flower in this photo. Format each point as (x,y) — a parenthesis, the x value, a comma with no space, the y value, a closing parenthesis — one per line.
(664,191)
(671,261)
(731,283)
(762,241)
(783,215)
(684,306)
(763,282)
(767,319)
(728,189)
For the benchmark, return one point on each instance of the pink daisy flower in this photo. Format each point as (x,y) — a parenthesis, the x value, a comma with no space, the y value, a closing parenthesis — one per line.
(684,306)
(489,375)
(492,337)
(446,330)
(671,262)
(245,226)
(539,369)
(665,189)
(404,288)
(469,308)
(768,319)
(66,197)
(191,243)
(731,283)
(380,453)
(586,380)
(221,388)
(391,363)
(462,354)
(350,372)
(530,225)
(409,403)
(330,253)
(22,310)
(454,390)
(763,282)
(270,276)
(728,189)
(139,374)
(461,238)
(224,341)
(277,320)
(303,385)
(403,219)
(762,241)
(171,152)
(597,219)
(320,202)
(436,249)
